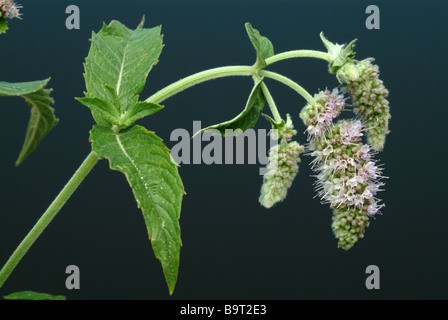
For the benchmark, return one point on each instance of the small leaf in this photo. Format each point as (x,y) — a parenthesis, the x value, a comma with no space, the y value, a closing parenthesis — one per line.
(142,22)
(147,164)
(345,55)
(247,118)
(3,25)
(138,110)
(262,45)
(42,115)
(31,295)
(275,125)
(103,107)
(341,53)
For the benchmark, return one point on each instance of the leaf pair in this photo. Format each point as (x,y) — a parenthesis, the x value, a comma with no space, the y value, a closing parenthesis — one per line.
(255,103)
(42,115)
(116,68)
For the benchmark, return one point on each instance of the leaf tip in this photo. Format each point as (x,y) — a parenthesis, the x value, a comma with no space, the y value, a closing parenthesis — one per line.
(142,22)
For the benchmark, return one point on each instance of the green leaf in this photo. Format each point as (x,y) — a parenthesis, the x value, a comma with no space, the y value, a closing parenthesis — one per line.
(275,125)
(121,58)
(138,110)
(152,174)
(247,118)
(103,107)
(42,115)
(41,122)
(345,55)
(20,88)
(3,25)
(262,45)
(142,22)
(31,295)
(341,53)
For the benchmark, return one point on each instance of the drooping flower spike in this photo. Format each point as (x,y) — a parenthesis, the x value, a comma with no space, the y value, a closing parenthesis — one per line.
(282,167)
(348,179)
(369,95)
(319,116)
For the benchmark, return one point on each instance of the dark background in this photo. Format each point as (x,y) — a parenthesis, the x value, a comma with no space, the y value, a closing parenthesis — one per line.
(233,248)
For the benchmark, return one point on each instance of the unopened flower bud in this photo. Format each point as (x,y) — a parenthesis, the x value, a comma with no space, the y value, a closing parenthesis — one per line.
(282,167)
(369,97)
(348,72)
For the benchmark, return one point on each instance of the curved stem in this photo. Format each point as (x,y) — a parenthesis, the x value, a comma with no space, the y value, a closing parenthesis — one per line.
(293,85)
(197,78)
(299,54)
(48,215)
(271,103)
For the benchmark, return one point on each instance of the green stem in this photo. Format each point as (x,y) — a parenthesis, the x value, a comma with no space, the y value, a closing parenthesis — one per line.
(271,103)
(197,78)
(46,218)
(293,85)
(299,54)
(215,73)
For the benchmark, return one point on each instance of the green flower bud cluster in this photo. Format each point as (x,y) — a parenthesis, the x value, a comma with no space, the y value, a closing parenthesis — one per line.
(348,226)
(282,167)
(369,98)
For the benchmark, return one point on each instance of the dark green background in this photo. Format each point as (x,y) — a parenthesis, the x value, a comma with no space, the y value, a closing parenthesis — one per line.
(233,248)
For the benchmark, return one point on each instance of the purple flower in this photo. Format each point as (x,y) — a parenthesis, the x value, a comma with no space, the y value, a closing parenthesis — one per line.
(9,9)
(348,178)
(319,116)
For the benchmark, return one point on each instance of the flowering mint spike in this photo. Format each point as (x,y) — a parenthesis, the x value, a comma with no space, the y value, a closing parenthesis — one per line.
(9,9)
(347,178)
(282,166)
(369,97)
(319,116)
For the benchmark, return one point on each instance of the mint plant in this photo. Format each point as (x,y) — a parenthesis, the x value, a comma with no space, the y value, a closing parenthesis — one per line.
(348,177)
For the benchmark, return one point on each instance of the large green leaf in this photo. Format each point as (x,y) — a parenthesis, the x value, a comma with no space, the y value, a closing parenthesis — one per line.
(247,118)
(31,295)
(42,115)
(155,182)
(263,46)
(118,63)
